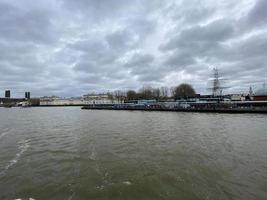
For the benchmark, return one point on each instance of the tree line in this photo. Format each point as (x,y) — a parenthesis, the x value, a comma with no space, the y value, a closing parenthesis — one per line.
(182,91)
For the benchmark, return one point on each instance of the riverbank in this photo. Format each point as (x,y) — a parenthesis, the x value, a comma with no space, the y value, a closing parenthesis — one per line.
(208,110)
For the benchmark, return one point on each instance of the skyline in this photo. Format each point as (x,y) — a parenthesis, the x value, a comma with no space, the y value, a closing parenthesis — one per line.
(69,48)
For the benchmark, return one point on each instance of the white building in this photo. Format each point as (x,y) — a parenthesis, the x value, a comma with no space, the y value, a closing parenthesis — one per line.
(85,100)
(56,101)
(238,97)
(100,99)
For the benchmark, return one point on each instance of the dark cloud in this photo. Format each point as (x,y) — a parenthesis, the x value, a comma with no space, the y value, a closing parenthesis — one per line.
(68,48)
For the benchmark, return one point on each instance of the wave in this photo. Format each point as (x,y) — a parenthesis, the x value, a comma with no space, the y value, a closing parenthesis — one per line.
(127,183)
(4,133)
(23,147)
(93,154)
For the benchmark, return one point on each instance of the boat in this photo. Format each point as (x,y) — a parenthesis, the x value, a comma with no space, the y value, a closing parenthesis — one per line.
(24,104)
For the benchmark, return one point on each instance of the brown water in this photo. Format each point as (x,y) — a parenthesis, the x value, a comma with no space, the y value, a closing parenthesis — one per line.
(69,153)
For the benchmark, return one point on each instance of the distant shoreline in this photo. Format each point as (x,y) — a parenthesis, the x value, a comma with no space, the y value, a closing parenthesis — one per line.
(211,110)
(198,110)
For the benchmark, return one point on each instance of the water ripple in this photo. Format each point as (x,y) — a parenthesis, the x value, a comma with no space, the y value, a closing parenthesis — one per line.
(23,147)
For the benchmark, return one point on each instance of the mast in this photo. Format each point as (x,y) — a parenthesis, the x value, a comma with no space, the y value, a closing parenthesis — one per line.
(216,85)
(216,90)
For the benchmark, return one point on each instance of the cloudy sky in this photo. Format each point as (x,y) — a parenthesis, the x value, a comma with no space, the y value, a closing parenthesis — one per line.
(72,47)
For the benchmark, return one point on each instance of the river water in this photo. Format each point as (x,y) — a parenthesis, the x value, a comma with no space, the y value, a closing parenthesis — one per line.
(69,153)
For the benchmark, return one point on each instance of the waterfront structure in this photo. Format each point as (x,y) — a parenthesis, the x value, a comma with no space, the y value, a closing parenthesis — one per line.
(143,101)
(7,101)
(261,94)
(10,101)
(24,104)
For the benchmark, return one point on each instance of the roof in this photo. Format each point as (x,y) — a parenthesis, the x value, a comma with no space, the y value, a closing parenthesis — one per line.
(261,92)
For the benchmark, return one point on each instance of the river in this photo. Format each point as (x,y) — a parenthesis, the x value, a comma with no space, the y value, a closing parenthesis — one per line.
(69,153)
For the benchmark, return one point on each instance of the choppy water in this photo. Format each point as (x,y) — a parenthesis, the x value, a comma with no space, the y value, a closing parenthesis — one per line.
(69,153)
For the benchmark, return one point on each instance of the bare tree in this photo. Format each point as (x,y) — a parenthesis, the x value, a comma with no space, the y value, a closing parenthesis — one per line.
(156,93)
(172,91)
(110,97)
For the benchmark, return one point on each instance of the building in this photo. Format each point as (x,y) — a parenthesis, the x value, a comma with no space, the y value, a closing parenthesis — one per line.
(101,99)
(10,101)
(57,101)
(261,94)
(7,94)
(27,95)
(238,97)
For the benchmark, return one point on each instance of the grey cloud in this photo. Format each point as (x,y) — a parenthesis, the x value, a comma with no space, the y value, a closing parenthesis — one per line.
(140,26)
(258,14)
(119,40)
(255,46)
(197,42)
(27,26)
(179,60)
(98,10)
(140,60)
(95,51)
(98,5)
(143,67)
(66,47)
(193,12)
(201,36)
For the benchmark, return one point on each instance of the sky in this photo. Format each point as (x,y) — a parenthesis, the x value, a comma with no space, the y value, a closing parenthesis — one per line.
(70,48)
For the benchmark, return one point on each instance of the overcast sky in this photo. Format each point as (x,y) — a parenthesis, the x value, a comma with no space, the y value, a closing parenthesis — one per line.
(73,47)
